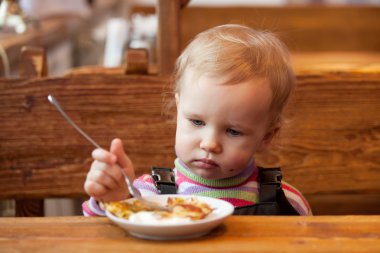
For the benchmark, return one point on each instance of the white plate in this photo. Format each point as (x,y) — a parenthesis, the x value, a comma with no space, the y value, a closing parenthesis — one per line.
(180,230)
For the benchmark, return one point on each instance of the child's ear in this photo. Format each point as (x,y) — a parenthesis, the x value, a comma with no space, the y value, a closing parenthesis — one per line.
(268,137)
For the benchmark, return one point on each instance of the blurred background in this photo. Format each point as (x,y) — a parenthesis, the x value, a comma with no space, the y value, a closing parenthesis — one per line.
(96,32)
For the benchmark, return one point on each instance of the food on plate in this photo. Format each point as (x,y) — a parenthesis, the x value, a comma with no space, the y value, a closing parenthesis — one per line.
(182,209)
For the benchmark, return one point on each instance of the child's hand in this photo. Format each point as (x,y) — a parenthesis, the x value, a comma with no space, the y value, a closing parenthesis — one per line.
(104,181)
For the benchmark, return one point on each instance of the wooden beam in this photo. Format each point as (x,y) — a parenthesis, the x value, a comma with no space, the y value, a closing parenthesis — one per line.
(33,64)
(302,28)
(168,35)
(136,61)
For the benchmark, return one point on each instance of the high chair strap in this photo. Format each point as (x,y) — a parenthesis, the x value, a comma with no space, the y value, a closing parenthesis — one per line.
(271,192)
(272,199)
(164,180)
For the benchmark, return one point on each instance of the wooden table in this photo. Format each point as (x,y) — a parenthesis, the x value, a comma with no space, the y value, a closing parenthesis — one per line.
(236,234)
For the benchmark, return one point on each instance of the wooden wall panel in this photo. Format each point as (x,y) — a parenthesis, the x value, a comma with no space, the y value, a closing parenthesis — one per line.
(302,28)
(40,154)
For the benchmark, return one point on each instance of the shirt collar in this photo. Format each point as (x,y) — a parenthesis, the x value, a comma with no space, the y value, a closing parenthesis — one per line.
(225,182)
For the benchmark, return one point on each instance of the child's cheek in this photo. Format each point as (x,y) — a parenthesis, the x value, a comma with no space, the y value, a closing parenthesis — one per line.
(239,161)
(180,149)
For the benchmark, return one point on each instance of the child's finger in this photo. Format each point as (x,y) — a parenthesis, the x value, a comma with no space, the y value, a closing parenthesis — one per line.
(104,156)
(110,176)
(95,189)
(122,159)
(104,179)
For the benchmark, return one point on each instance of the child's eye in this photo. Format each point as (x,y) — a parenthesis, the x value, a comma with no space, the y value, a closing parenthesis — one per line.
(233,132)
(197,122)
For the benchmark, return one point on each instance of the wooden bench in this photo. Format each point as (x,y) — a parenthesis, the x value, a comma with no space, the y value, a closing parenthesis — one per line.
(329,148)
(304,29)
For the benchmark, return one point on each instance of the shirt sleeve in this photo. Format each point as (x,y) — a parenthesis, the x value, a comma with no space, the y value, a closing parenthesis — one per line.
(145,184)
(91,208)
(296,199)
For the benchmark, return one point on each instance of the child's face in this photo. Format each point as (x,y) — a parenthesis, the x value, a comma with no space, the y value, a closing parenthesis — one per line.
(220,127)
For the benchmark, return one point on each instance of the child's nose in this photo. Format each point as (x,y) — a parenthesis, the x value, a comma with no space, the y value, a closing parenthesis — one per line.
(211,145)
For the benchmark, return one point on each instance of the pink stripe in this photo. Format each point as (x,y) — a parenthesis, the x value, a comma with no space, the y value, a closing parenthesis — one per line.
(238,202)
(288,187)
(146,178)
(182,178)
(296,205)
(86,210)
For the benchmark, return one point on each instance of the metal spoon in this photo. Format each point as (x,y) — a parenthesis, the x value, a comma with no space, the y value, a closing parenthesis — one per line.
(132,190)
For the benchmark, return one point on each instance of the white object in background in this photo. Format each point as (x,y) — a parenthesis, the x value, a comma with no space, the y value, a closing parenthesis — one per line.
(117,35)
(60,58)
(60,207)
(11,17)
(143,33)
(40,9)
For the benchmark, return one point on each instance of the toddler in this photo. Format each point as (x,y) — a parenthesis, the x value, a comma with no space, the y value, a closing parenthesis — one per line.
(231,85)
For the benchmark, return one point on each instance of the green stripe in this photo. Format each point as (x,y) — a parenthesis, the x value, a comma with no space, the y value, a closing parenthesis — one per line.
(225,182)
(248,196)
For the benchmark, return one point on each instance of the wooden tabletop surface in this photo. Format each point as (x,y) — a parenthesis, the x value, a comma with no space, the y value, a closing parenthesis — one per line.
(236,234)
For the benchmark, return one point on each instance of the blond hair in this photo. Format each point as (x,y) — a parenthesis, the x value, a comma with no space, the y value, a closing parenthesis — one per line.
(243,53)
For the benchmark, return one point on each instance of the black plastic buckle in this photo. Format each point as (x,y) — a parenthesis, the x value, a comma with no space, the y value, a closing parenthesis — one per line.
(163,176)
(270,176)
(270,184)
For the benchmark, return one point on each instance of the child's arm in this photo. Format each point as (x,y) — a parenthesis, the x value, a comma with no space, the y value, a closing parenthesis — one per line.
(91,208)
(296,199)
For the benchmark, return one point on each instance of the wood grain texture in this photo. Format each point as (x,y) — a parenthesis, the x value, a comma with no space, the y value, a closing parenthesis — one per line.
(302,28)
(136,61)
(330,142)
(329,147)
(236,234)
(41,155)
(354,62)
(30,208)
(33,64)
(168,34)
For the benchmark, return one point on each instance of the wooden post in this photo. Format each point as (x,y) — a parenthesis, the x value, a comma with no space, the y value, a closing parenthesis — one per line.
(33,64)
(136,61)
(168,35)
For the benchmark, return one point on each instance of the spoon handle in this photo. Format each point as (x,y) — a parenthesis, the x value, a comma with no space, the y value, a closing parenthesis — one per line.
(132,190)
(54,102)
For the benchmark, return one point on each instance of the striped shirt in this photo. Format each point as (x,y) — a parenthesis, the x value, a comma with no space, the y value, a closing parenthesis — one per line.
(240,190)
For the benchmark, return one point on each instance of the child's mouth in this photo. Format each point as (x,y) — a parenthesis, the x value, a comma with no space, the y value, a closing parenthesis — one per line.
(205,164)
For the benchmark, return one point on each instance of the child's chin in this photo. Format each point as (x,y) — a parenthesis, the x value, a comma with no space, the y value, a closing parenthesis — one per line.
(208,176)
